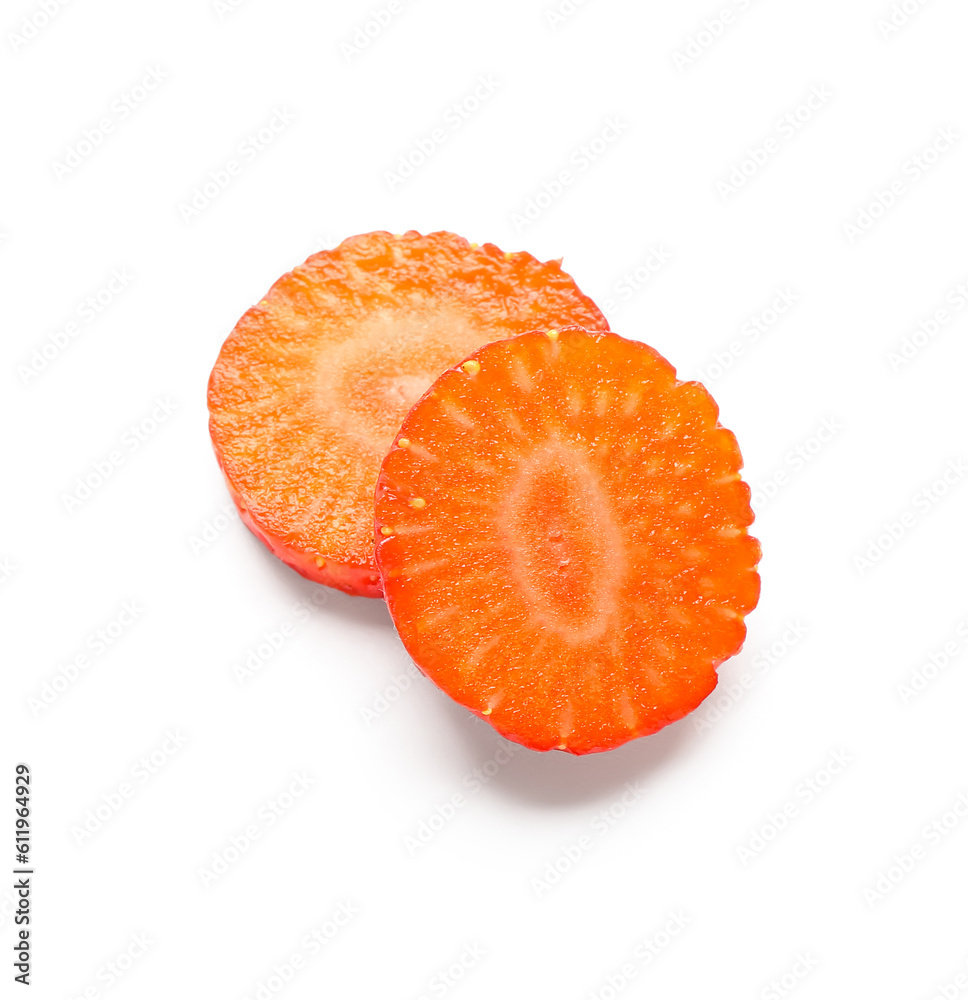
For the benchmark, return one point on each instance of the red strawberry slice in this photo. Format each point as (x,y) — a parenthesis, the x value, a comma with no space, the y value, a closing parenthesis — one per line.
(561,531)
(310,387)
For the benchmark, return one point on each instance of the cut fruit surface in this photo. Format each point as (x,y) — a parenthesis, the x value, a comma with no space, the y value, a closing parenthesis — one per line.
(561,530)
(310,387)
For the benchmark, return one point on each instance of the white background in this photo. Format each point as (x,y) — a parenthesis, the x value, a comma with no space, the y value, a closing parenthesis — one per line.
(643,833)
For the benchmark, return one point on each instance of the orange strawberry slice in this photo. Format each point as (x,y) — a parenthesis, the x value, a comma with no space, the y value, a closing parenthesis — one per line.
(312,384)
(561,530)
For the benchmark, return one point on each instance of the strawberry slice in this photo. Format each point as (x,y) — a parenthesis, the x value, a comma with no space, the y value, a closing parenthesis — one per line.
(561,533)
(311,385)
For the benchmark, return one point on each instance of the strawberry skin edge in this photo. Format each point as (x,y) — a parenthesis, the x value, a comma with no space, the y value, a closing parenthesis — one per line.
(353,580)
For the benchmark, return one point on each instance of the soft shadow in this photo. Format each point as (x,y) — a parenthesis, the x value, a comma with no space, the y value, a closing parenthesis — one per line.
(557,779)
(366,612)
(560,780)
(544,780)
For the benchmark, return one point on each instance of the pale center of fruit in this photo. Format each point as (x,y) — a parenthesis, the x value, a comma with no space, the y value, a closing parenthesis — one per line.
(566,548)
(369,380)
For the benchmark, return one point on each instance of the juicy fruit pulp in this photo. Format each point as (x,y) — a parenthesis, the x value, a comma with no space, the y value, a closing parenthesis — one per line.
(561,532)
(312,384)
